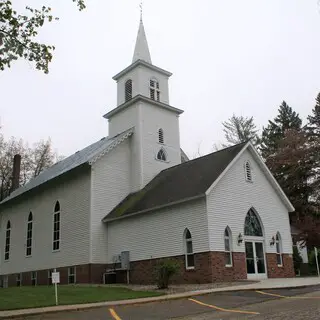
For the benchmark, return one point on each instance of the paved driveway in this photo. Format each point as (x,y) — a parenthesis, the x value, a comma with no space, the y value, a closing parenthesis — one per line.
(281,304)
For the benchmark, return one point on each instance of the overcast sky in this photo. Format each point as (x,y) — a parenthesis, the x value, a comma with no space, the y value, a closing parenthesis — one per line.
(227,56)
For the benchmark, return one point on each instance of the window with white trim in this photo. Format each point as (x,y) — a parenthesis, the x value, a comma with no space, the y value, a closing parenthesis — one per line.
(29,235)
(279,250)
(56,227)
(228,247)
(19,279)
(160,135)
(248,171)
(72,275)
(7,244)
(128,90)
(154,89)
(34,278)
(189,250)
(161,155)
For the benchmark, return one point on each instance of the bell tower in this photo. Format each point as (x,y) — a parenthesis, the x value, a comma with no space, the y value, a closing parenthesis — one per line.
(143,103)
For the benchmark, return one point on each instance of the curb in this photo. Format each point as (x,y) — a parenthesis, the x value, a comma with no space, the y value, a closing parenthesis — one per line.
(22,313)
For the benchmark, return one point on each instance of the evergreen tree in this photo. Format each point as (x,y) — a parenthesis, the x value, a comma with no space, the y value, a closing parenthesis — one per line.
(275,131)
(314,119)
(240,129)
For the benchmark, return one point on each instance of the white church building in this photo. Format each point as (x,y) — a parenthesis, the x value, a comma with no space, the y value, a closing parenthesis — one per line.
(113,210)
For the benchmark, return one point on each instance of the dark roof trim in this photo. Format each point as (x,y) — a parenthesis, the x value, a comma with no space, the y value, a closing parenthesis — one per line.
(142,63)
(105,219)
(137,98)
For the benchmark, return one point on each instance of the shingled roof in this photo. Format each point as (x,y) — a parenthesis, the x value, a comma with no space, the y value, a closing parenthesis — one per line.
(188,180)
(86,155)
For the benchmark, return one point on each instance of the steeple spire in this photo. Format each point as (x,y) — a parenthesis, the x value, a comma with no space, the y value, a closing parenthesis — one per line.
(141,50)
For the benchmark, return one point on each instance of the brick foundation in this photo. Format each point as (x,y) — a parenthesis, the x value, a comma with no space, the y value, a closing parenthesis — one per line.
(209,267)
(274,271)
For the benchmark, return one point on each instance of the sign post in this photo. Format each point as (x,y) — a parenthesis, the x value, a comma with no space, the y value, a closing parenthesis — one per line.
(55,281)
(317,262)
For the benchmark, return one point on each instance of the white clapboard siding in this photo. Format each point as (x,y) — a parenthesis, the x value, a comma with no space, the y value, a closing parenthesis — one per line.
(74,198)
(155,118)
(110,185)
(160,233)
(229,202)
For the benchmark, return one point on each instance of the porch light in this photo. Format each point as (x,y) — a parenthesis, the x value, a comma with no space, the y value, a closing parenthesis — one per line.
(272,241)
(240,239)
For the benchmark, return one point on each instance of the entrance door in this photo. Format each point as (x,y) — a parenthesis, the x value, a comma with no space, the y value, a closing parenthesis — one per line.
(256,267)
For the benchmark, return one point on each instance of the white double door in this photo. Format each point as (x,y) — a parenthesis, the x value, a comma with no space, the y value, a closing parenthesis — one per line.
(255,260)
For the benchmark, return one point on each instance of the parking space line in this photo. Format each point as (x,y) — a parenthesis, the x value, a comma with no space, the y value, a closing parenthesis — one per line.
(222,309)
(286,297)
(271,294)
(114,314)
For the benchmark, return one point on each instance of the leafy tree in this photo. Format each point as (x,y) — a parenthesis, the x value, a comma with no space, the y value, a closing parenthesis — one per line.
(34,160)
(18,33)
(275,131)
(240,129)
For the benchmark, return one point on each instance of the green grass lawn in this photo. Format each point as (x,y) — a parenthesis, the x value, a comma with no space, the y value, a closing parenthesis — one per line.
(42,296)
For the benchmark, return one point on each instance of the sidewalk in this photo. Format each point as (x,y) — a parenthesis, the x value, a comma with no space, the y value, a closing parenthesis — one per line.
(262,285)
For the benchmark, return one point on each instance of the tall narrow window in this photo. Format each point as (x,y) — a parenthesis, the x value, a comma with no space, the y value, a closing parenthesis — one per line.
(189,250)
(7,246)
(161,155)
(227,247)
(72,275)
(160,135)
(34,278)
(248,171)
(29,235)
(279,250)
(154,89)
(56,227)
(128,90)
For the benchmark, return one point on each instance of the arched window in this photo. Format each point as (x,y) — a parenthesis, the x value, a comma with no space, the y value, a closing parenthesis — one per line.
(228,247)
(154,89)
(279,249)
(128,90)
(252,225)
(188,250)
(160,135)
(161,155)
(7,246)
(248,171)
(56,227)
(29,235)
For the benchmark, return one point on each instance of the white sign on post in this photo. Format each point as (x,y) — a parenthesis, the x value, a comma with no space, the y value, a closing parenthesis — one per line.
(55,280)
(55,277)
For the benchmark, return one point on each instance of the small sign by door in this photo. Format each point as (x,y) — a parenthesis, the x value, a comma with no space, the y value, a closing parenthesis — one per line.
(55,277)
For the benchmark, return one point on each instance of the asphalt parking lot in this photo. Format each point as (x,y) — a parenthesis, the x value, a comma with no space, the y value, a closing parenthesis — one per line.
(267,304)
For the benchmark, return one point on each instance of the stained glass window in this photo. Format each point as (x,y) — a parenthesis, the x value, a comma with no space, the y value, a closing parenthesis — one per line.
(252,226)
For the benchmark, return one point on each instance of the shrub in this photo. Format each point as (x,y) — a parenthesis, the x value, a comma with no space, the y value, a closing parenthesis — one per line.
(164,271)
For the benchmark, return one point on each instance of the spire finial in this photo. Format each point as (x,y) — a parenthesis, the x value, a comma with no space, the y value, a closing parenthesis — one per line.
(141,10)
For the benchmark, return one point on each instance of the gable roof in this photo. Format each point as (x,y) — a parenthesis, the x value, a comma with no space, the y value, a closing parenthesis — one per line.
(186,181)
(87,155)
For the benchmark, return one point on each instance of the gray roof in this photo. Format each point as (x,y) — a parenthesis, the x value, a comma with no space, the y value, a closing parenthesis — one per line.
(86,155)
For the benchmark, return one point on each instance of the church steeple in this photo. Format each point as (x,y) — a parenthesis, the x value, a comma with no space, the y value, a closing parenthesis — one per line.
(141,50)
